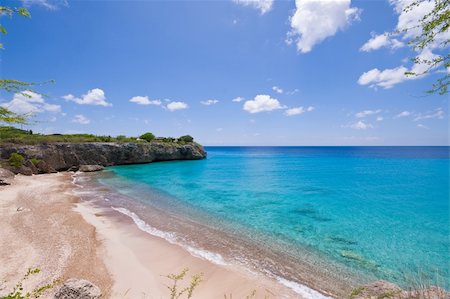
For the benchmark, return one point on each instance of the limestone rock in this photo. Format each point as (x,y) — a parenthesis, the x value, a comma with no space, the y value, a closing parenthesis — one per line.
(90,168)
(31,166)
(63,156)
(6,177)
(25,170)
(44,167)
(78,289)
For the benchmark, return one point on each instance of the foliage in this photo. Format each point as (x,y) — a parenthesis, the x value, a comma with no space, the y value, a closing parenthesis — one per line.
(147,136)
(10,11)
(35,161)
(186,138)
(432,24)
(18,290)
(16,160)
(8,116)
(175,292)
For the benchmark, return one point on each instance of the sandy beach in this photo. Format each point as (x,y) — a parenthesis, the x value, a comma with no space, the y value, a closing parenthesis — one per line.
(43,224)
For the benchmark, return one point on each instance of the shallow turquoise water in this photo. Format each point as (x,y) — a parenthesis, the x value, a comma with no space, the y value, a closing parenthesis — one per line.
(379,211)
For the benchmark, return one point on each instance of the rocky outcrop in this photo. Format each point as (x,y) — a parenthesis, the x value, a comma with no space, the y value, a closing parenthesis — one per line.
(78,289)
(90,168)
(63,156)
(384,289)
(6,177)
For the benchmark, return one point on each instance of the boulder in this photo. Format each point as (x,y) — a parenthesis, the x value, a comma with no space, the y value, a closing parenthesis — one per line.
(90,168)
(6,177)
(44,167)
(31,166)
(25,170)
(78,289)
(377,289)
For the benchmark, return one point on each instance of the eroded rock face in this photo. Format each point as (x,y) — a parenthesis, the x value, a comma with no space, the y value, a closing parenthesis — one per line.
(6,177)
(90,168)
(78,289)
(63,156)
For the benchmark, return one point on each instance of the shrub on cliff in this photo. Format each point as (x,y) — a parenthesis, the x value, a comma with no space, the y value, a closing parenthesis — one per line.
(186,138)
(147,136)
(16,160)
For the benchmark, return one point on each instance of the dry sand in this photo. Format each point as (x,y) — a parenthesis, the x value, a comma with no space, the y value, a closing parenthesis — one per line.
(67,238)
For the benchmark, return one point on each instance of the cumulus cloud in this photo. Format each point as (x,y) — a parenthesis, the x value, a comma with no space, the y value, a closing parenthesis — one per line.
(360,125)
(262,103)
(29,102)
(298,110)
(94,96)
(140,100)
(277,89)
(209,102)
(403,114)
(238,99)
(173,106)
(408,28)
(262,5)
(380,41)
(366,113)
(379,118)
(81,119)
(437,113)
(314,21)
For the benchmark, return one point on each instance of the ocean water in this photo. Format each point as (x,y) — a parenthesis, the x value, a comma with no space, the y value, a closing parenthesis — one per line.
(327,217)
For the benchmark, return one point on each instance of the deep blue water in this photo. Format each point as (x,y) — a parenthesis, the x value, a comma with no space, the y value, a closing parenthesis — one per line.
(382,211)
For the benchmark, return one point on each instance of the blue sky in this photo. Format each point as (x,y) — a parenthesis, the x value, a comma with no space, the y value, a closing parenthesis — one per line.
(305,73)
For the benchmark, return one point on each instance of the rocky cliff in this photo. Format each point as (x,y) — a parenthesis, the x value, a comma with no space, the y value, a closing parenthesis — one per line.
(63,156)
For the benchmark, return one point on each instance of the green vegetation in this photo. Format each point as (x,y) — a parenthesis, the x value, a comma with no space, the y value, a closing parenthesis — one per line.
(432,24)
(18,136)
(18,291)
(16,160)
(35,161)
(186,138)
(147,136)
(355,292)
(175,292)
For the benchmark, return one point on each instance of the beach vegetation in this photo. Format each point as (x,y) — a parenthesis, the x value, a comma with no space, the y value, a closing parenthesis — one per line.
(35,161)
(16,160)
(186,138)
(355,292)
(147,136)
(19,292)
(174,288)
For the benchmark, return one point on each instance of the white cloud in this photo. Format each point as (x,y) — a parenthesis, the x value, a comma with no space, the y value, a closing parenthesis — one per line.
(94,96)
(262,5)
(314,21)
(365,113)
(277,89)
(49,4)
(403,114)
(360,125)
(292,91)
(379,118)
(262,103)
(380,41)
(310,108)
(29,102)
(140,100)
(295,111)
(422,126)
(81,119)
(438,114)
(238,99)
(209,102)
(407,29)
(172,106)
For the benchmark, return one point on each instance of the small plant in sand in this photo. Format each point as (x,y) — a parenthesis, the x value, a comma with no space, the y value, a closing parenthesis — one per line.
(249,296)
(16,160)
(18,291)
(175,290)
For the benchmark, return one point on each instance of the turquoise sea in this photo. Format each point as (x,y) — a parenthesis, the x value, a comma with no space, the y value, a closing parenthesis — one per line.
(346,215)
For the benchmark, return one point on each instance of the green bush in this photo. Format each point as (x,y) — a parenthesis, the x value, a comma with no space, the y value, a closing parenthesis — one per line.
(186,138)
(16,160)
(18,291)
(35,161)
(147,136)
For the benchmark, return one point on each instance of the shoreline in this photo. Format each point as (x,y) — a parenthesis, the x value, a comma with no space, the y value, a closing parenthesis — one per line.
(124,261)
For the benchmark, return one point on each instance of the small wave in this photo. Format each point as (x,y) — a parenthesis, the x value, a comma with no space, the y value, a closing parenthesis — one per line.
(302,290)
(171,238)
